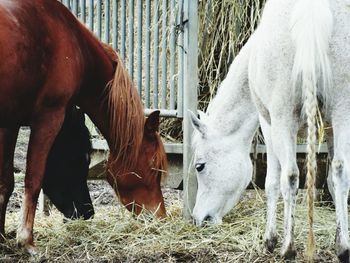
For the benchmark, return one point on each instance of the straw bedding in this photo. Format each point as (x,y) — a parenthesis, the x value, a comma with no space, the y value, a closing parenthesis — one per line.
(113,235)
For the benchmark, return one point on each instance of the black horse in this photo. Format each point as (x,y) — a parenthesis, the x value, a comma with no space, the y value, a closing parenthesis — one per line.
(65,180)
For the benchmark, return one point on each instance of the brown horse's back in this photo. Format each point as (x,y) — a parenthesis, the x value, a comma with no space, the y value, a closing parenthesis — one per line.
(41,60)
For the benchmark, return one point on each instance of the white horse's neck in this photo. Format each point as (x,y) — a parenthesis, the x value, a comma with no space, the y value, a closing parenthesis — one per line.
(232,111)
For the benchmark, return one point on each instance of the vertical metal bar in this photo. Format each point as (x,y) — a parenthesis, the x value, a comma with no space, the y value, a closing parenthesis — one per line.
(83,10)
(190,102)
(99,19)
(164,52)
(115,24)
(75,7)
(131,39)
(181,54)
(123,28)
(148,54)
(139,47)
(91,15)
(66,3)
(107,20)
(155,55)
(172,54)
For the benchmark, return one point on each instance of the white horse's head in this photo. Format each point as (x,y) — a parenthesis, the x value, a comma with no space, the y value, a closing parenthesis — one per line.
(223,168)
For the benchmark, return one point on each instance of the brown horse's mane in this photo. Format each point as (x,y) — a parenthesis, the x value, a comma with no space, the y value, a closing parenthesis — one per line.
(128,128)
(126,116)
(123,97)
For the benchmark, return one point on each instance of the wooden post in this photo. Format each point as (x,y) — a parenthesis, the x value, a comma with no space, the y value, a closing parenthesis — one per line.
(190,20)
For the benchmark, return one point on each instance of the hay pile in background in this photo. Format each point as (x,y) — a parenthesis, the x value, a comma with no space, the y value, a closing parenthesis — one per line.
(115,236)
(224,27)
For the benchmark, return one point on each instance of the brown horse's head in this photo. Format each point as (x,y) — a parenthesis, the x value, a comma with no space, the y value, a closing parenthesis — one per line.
(139,188)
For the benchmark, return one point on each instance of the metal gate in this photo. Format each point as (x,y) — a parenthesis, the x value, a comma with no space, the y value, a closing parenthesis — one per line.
(157,40)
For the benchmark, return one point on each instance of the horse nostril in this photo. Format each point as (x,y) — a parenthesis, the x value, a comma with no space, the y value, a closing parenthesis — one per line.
(208,218)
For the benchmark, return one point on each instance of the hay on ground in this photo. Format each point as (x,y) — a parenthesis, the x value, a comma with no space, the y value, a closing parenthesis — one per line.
(115,236)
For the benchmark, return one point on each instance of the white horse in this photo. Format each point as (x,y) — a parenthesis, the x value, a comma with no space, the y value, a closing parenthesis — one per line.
(299,53)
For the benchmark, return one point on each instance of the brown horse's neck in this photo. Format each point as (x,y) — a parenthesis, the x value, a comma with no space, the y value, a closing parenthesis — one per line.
(92,97)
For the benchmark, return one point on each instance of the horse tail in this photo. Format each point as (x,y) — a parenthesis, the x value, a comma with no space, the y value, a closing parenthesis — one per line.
(311,26)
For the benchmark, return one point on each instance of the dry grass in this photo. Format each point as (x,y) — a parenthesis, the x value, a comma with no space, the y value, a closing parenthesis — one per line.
(115,236)
(224,27)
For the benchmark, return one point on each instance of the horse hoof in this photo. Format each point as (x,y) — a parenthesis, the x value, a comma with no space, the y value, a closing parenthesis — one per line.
(29,248)
(290,253)
(32,250)
(344,256)
(271,243)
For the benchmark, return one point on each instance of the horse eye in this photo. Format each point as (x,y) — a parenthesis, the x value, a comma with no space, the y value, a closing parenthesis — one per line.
(200,167)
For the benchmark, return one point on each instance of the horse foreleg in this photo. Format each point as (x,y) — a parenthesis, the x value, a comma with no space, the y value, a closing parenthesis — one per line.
(43,134)
(340,181)
(330,146)
(8,139)
(272,188)
(283,135)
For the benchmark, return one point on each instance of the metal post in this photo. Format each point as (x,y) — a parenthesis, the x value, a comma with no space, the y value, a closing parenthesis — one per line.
(164,54)
(91,15)
(155,54)
(190,100)
(139,46)
(148,55)
(99,19)
(131,39)
(75,7)
(181,55)
(115,24)
(107,8)
(172,53)
(123,29)
(83,10)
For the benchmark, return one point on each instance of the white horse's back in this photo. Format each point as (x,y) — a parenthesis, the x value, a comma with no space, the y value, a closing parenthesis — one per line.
(340,49)
(274,51)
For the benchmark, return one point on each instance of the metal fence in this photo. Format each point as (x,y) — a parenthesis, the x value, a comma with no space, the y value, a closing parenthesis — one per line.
(149,36)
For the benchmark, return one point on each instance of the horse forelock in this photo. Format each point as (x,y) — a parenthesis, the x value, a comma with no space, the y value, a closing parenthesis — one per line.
(126,118)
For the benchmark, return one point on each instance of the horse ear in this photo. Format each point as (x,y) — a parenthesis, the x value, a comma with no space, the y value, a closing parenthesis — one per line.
(198,124)
(202,115)
(152,123)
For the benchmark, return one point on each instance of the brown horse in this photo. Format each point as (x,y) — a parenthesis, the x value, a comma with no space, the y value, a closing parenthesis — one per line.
(49,61)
